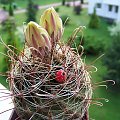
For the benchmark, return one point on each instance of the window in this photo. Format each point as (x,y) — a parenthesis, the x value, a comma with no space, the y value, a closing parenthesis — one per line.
(110,8)
(98,5)
(116,9)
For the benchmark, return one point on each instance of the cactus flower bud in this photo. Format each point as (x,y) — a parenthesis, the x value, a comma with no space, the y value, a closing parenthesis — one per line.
(51,21)
(37,37)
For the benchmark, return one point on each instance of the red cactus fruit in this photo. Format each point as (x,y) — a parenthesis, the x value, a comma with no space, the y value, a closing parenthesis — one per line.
(60,76)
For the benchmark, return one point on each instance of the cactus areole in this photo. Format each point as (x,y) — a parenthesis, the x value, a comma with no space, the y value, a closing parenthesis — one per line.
(48,79)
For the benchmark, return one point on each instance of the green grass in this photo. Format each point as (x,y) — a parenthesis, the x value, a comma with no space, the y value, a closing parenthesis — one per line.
(23,3)
(2,79)
(4,37)
(110,110)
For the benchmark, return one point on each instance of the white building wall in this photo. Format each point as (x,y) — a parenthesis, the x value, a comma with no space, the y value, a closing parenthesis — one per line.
(104,10)
(91,5)
(111,2)
(108,14)
(118,17)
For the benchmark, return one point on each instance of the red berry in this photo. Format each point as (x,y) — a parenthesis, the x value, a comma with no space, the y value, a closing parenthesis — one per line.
(60,76)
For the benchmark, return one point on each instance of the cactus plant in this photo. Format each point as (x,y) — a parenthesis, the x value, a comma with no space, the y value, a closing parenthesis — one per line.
(49,80)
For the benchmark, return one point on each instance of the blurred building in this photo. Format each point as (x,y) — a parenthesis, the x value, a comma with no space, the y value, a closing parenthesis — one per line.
(3,16)
(109,9)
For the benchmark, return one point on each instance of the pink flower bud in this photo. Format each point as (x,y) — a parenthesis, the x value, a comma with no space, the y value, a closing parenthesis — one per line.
(51,21)
(37,37)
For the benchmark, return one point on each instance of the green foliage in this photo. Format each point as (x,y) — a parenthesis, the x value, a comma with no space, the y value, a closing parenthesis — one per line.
(11,9)
(57,9)
(65,19)
(9,6)
(31,11)
(4,1)
(4,7)
(110,94)
(93,46)
(23,3)
(82,1)
(63,2)
(94,21)
(77,42)
(112,56)
(115,29)
(15,6)
(67,4)
(11,39)
(10,27)
(112,61)
(77,9)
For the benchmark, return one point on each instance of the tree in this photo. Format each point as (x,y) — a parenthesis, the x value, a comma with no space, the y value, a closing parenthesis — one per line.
(12,39)
(63,2)
(4,2)
(115,30)
(10,28)
(94,21)
(82,1)
(11,13)
(112,56)
(10,4)
(31,11)
(77,9)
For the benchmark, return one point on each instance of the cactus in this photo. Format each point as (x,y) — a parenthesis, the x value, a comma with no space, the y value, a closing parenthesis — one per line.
(49,80)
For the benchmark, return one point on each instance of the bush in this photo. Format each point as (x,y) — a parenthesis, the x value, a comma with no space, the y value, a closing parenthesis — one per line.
(4,7)
(112,61)
(31,11)
(11,13)
(65,19)
(82,1)
(15,6)
(77,9)
(93,46)
(78,41)
(112,56)
(4,2)
(57,9)
(63,2)
(9,27)
(94,21)
(67,4)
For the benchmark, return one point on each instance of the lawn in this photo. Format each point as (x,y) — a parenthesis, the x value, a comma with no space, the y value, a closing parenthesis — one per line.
(23,3)
(108,111)
(3,36)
